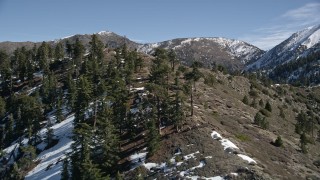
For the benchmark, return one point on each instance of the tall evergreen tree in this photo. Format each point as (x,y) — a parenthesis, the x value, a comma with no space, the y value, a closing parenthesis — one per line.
(43,57)
(153,137)
(107,146)
(59,51)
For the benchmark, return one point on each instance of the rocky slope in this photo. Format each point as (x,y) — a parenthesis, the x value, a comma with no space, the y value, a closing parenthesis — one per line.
(300,44)
(233,54)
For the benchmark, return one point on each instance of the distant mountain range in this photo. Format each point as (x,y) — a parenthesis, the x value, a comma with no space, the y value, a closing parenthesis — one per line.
(299,44)
(233,54)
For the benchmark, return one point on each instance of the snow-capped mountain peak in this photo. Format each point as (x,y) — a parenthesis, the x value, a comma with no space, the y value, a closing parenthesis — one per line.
(297,45)
(104,33)
(208,49)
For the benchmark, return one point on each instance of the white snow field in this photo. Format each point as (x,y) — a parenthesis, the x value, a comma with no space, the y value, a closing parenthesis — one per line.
(51,160)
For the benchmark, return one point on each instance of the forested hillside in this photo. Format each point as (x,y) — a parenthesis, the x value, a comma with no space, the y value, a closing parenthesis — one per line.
(99,112)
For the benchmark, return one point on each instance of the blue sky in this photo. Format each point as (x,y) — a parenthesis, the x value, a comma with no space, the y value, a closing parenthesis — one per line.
(262,23)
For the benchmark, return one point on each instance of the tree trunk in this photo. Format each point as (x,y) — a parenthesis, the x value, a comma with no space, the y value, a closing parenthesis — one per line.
(191,98)
(95,115)
(158,114)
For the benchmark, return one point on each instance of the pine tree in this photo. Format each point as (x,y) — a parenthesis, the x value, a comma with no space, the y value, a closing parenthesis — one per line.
(78,53)
(178,114)
(59,114)
(119,176)
(153,137)
(49,136)
(90,171)
(30,116)
(2,107)
(303,143)
(258,118)
(15,173)
(72,92)
(172,58)
(107,141)
(29,154)
(43,57)
(278,142)
(65,170)
(6,71)
(84,95)
(80,150)
(300,127)
(10,129)
(59,51)
(96,49)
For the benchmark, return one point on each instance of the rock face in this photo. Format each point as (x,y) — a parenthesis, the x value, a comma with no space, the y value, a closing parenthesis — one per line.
(299,44)
(233,54)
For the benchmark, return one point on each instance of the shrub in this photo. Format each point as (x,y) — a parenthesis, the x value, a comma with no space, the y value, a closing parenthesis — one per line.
(261,121)
(245,100)
(182,69)
(261,103)
(253,93)
(278,142)
(210,80)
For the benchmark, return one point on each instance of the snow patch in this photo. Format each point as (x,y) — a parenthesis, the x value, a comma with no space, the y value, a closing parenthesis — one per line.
(50,165)
(247,158)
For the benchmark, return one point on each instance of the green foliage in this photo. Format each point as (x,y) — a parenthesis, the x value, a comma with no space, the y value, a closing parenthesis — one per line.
(282,72)
(29,115)
(49,136)
(2,107)
(59,51)
(107,141)
(153,138)
(65,170)
(119,176)
(253,93)
(182,69)
(43,57)
(261,121)
(303,143)
(172,58)
(28,155)
(278,142)
(243,137)
(210,79)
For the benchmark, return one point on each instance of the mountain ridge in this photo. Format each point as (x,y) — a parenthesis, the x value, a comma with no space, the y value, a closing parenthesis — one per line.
(295,46)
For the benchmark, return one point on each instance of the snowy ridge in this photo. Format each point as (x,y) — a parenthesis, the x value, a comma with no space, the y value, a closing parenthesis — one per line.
(237,49)
(103,33)
(297,45)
